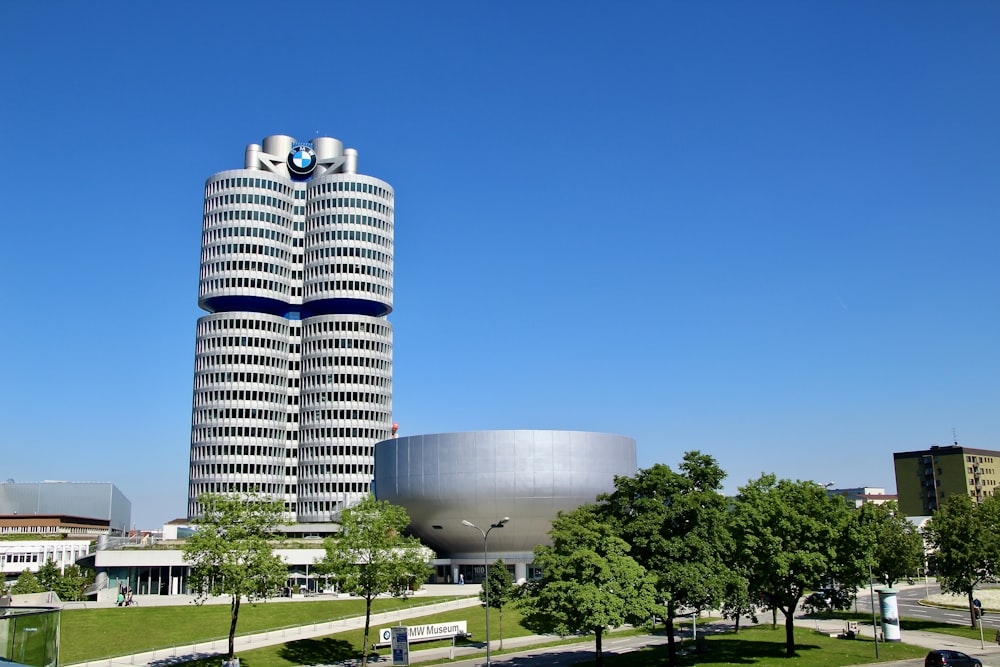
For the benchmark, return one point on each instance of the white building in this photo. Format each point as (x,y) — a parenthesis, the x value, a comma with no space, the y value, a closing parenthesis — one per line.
(19,555)
(293,363)
(862,495)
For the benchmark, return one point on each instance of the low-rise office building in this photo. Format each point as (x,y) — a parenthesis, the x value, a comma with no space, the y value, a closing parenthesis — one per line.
(864,495)
(81,509)
(153,570)
(16,556)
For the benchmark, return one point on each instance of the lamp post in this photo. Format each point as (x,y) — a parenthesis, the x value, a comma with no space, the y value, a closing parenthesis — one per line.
(871,588)
(486,572)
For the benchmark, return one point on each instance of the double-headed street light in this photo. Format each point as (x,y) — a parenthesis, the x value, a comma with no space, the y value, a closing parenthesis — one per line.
(486,572)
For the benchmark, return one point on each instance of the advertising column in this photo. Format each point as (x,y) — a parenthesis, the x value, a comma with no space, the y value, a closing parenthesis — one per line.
(890,614)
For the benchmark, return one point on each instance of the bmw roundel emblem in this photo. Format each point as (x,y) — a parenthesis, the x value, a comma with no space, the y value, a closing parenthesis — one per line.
(301,161)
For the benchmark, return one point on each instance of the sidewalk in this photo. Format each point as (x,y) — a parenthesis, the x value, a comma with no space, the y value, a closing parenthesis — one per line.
(988,651)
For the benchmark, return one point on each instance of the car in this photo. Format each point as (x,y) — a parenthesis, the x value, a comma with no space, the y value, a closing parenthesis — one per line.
(818,601)
(826,599)
(944,658)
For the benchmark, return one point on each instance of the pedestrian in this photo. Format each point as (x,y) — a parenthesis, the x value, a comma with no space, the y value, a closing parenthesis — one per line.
(998,638)
(121,598)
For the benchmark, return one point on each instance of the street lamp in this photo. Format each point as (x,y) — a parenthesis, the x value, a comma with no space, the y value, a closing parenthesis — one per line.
(871,589)
(486,572)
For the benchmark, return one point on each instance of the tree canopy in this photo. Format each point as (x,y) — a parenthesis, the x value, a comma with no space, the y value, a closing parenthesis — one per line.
(501,590)
(26,583)
(897,546)
(589,582)
(371,556)
(230,553)
(70,584)
(676,524)
(966,536)
(792,537)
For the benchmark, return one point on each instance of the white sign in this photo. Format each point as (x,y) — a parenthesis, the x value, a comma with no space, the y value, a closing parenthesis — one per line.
(400,646)
(425,633)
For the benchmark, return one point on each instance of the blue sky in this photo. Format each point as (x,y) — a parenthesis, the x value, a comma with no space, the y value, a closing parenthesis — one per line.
(764,230)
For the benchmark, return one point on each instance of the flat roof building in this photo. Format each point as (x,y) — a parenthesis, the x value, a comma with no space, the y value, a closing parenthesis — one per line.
(77,508)
(17,556)
(862,495)
(293,363)
(926,477)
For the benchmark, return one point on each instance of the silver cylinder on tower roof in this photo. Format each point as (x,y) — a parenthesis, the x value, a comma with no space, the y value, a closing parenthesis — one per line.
(327,147)
(351,161)
(252,158)
(278,145)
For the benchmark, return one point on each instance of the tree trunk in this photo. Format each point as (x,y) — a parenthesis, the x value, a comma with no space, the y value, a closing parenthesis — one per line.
(972,608)
(736,625)
(789,632)
(599,658)
(368,620)
(774,616)
(234,616)
(501,627)
(671,644)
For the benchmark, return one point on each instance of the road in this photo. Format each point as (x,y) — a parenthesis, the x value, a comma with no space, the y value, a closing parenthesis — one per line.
(908,600)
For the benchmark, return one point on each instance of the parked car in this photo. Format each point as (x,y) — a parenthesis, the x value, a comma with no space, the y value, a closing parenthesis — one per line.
(950,659)
(826,599)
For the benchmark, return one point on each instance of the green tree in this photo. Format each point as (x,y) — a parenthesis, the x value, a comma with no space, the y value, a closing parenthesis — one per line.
(74,582)
(371,556)
(70,584)
(737,601)
(48,576)
(676,524)
(231,551)
(26,583)
(792,537)
(589,582)
(966,539)
(501,589)
(898,549)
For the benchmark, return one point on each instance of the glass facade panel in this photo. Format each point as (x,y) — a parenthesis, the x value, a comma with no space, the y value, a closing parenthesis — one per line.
(30,636)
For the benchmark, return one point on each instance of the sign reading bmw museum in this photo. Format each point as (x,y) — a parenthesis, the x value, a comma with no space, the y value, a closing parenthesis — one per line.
(426,633)
(301,161)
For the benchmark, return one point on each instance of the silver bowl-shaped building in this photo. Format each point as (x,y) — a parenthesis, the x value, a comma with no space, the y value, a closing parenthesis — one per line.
(483,476)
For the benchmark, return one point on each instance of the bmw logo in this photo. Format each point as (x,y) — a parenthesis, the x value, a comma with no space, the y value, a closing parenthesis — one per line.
(301,161)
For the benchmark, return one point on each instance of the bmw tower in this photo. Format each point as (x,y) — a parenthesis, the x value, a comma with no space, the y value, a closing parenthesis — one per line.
(293,362)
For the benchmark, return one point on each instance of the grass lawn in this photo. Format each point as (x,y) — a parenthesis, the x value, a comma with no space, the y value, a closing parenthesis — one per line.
(763,646)
(88,634)
(759,646)
(345,645)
